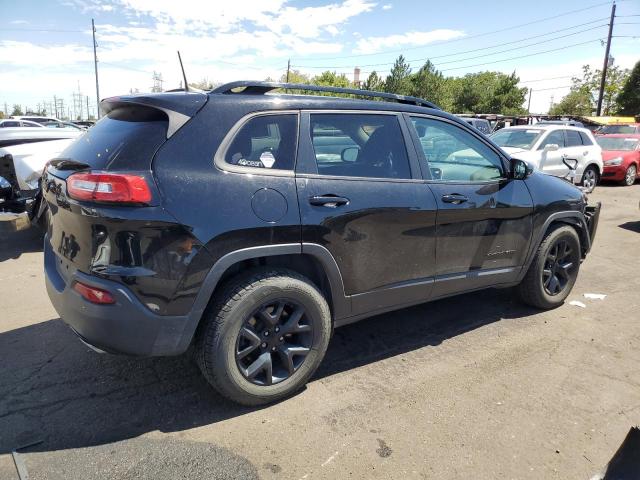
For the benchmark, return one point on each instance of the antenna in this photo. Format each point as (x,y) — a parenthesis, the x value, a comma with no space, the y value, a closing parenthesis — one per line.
(184,76)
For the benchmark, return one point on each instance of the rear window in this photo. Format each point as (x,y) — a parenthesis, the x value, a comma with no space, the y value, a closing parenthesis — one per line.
(625,129)
(125,139)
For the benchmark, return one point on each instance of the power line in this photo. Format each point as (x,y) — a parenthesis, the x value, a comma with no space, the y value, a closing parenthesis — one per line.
(485,48)
(544,79)
(552,88)
(472,36)
(518,48)
(523,56)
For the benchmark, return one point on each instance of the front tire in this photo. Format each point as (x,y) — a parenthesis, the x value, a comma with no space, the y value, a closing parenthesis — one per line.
(630,176)
(590,178)
(553,271)
(265,335)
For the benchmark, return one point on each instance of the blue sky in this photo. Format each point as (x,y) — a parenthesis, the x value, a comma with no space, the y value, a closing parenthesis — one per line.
(46,50)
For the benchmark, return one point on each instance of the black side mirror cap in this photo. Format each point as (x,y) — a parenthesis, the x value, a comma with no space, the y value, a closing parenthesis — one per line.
(520,169)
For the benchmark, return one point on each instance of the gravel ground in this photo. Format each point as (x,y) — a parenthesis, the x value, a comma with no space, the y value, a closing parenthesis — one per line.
(476,386)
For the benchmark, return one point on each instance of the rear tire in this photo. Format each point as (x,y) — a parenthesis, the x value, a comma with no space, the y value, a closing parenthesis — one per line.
(590,178)
(264,336)
(553,271)
(630,176)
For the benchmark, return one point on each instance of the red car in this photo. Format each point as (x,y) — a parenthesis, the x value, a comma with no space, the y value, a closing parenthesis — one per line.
(621,157)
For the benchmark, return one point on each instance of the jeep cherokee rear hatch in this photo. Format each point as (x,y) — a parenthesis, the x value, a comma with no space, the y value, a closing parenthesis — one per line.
(106,221)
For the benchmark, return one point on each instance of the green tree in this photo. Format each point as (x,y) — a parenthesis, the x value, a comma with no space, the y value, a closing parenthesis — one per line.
(577,102)
(374,82)
(628,99)
(430,84)
(488,92)
(589,83)
(331,79)
(295,77)
(17,110)
(398,80)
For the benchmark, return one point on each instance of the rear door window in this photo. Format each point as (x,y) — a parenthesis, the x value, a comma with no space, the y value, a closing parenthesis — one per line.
(265,141)
(359,145)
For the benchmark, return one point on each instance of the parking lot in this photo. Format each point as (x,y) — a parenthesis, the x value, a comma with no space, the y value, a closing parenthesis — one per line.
(476,386)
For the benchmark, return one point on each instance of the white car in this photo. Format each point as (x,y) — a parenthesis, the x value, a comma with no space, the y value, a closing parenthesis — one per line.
(545,146)
(11,123)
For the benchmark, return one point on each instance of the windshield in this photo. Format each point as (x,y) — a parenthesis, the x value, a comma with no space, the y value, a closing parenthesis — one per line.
(618,143)
(523,138)
(617,129)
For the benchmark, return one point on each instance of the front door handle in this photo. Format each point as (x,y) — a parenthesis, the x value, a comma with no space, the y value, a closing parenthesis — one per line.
(585,153)
(330,201)
(454,198)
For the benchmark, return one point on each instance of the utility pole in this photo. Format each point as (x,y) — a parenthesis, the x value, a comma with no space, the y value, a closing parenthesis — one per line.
(288,69)
(55,105)
(606,61)
(95,64)
(87,97)
(529,104)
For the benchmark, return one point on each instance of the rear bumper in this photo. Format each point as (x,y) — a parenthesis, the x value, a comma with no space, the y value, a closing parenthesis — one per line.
(126,327)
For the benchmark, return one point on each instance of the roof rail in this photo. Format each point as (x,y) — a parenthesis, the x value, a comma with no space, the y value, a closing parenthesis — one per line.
(261,88)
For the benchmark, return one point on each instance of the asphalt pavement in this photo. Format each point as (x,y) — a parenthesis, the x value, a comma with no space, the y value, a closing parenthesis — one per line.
(475,386)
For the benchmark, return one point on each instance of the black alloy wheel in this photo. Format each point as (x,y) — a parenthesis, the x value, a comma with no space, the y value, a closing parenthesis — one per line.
(558,268)
(273,342)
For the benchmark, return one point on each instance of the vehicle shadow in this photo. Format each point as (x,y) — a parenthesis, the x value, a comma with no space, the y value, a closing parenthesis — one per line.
(15,244)
(631,226)
(55,390)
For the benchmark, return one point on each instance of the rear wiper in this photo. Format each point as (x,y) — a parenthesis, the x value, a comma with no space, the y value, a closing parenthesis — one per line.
(68,164)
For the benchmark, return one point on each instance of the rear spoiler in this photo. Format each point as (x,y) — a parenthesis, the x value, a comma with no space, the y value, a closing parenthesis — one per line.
(179,107)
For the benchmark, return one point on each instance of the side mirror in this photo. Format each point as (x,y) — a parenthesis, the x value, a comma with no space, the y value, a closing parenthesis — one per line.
(551,147)
(520,169)
(350,154)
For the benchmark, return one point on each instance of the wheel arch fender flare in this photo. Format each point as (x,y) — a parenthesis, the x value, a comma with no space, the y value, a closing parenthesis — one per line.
(341,303)
(570,217)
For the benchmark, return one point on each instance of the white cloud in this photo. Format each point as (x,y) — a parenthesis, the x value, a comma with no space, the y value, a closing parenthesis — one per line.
(28,54)
(388,6)
(377,44)
(19,22)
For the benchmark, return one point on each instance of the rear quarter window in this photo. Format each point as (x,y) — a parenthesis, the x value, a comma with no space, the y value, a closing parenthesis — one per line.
(125,139)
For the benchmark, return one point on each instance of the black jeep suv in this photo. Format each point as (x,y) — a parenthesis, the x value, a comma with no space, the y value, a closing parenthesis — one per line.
(248,225)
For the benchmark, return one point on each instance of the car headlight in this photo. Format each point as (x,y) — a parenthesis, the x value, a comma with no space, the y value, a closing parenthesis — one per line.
(613,162)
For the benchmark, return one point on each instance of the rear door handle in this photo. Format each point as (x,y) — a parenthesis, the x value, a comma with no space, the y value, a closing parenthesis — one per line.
(454,198)
(330,201)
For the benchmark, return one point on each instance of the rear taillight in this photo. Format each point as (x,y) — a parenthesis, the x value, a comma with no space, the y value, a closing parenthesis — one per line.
(93,295)
(108,187)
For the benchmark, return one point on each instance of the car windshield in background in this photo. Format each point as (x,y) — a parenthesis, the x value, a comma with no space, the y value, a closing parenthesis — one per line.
(618,143)
(617,129)
(516,137)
